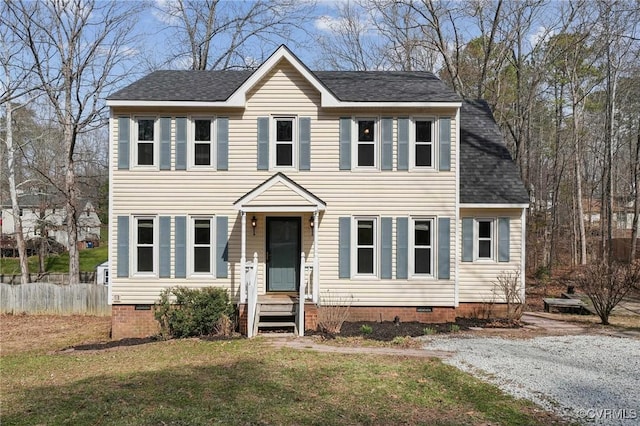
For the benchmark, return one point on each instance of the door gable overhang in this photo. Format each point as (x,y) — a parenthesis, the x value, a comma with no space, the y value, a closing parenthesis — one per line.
(277,194)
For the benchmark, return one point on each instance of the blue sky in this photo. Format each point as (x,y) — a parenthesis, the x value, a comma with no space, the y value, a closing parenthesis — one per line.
(155,32)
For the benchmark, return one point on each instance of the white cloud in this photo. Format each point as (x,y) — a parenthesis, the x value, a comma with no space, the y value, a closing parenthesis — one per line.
(328,23)
(541,35)
(164,11)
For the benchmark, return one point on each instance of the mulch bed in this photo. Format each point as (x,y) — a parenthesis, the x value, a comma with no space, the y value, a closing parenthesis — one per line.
(384,331)
(388,330)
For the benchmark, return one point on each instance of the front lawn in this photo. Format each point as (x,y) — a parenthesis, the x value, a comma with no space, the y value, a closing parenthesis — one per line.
(194,382)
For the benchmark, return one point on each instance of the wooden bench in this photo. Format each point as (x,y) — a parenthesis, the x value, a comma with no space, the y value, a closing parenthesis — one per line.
(564,304)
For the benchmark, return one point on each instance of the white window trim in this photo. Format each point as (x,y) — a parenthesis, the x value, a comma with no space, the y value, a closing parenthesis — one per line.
(376,144)
(156,246)
(412,246)
(191,246)
(273,134)
(156,143)
(413,143)
(354,247)
(476,239)
(191,148)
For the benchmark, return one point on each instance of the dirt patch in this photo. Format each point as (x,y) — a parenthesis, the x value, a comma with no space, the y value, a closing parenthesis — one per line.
(23,333)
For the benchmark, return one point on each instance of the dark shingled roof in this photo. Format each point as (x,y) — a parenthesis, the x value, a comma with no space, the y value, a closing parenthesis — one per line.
(347,86)
(197,86)
(488,175)
(386,86)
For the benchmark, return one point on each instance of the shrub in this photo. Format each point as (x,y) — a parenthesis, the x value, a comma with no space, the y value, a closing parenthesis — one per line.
(332,313)
(429,331)
(606,284)
(366,329)
(508,288)
(454,328)
(184,312)
(403,341)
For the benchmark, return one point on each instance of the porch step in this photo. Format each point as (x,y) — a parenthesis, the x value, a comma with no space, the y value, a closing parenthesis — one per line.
(279,309)
(287,313)
(274,324)
(276,314)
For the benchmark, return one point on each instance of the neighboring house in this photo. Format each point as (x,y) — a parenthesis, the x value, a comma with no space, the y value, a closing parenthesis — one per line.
(37,217)
(381,190)
(623,215)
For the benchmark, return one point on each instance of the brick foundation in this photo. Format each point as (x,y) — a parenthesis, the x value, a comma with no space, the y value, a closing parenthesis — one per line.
(310,316)
(127,321)
(242,318)
(482,310)
(406,314)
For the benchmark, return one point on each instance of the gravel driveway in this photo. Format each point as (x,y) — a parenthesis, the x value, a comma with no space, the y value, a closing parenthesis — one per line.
(584,378)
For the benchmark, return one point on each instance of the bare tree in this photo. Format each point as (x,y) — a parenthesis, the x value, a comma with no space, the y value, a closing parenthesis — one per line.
(219,34)
(349,41)
(606,284)
(617,33)
(440,24)
(77,47)
(15,94)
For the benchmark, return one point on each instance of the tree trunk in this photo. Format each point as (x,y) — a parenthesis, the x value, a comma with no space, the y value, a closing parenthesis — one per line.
(15,206)
(578,181)
(71,207)
(636,203)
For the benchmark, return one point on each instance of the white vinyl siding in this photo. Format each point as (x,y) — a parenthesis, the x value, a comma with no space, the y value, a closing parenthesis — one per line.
(390,194)
(477,279)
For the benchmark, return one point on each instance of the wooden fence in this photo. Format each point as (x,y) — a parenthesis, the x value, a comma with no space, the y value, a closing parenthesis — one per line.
(47,298)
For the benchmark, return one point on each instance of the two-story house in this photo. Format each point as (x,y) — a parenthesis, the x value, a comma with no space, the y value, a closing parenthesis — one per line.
(381,190)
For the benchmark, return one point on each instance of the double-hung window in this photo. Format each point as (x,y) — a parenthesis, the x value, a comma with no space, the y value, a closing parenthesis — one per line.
(366,246)
(422,242)
(203,142)
(366,146)
(145,245)
(484,230)
(146,141)
(285,142)
(422,153)
(202,240)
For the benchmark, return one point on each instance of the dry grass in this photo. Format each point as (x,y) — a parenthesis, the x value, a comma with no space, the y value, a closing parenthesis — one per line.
(615,321)
(26,333)
(193,381)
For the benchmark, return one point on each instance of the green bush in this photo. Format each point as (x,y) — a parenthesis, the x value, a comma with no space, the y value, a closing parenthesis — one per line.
(429,331)
(184,312)
(366,329)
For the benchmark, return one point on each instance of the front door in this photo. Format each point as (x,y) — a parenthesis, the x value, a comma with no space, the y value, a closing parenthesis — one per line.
(283,254)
